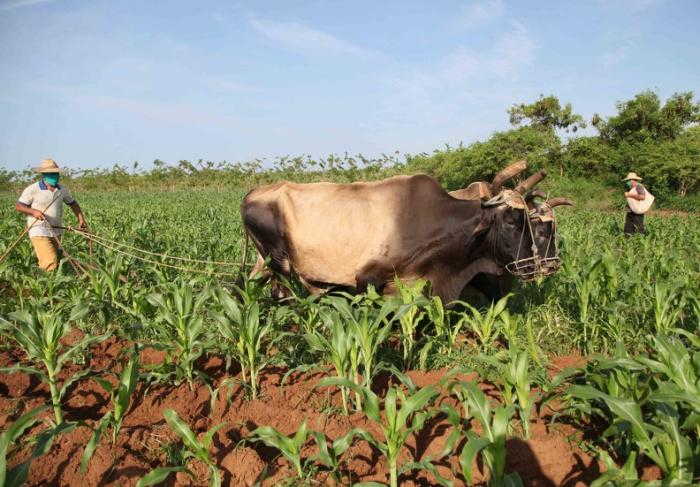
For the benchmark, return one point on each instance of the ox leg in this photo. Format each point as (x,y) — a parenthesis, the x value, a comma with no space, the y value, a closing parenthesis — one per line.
(449,286)
(491,286)
(372,274)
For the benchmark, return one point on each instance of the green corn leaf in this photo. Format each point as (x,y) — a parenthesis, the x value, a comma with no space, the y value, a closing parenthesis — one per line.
(72,380)
(471,449)
(428,466)
(209,435)
(94,441)
(26,370)
(159,475)
(182,430)
(11,435)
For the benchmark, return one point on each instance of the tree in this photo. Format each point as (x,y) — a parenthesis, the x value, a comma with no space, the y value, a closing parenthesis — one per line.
(546,113)
(643,119)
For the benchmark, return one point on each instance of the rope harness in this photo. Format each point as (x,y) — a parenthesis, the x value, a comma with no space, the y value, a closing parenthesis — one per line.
(530,268)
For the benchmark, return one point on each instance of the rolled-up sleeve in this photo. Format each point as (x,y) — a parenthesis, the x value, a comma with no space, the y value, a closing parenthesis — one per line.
(27,196)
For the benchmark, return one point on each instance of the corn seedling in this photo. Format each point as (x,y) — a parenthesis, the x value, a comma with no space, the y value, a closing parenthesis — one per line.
(242,327)
(194,449)
(409,307)
(12,435)
(289,446)
(330,455)
(662,441)
(485,324)
(399,421)
(179,326)
(669,302)
(120,396)
(39,333)
(491,444)
(370,329)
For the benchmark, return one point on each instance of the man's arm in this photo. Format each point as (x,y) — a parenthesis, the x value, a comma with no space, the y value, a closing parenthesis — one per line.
(634,195)
(28,210)
(82,223)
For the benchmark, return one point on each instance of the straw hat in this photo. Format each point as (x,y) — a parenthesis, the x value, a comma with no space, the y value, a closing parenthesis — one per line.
(632,175)
(47,165)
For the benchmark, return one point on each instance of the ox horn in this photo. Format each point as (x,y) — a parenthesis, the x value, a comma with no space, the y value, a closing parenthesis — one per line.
(531,182)
(495,201)
(535,193)
(559,201)
(509,172)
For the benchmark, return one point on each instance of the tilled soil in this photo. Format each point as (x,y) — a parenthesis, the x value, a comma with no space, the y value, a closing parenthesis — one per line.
(549,458)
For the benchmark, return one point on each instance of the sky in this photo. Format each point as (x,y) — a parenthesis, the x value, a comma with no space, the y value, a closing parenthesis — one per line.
(92,83)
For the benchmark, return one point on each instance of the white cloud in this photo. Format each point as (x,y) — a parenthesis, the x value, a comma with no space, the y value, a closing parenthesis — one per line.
(514,50)
(441,93)
(299,37)
(481,12)
(13,4)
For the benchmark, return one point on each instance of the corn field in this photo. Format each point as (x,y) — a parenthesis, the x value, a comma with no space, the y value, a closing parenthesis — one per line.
(628,308)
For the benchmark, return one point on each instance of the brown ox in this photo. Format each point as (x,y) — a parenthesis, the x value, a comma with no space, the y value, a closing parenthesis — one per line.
(353,235)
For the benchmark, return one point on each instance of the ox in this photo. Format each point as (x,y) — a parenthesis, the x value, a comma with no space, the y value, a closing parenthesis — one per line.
(406,227)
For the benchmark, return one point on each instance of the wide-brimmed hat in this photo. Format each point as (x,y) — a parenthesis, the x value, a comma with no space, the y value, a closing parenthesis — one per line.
(632,175)
(47,165)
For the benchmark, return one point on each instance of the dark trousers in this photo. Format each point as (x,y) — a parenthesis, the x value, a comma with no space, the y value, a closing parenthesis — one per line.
(634,223)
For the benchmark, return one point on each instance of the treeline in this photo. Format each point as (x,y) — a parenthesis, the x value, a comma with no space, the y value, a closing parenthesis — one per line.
(660,141)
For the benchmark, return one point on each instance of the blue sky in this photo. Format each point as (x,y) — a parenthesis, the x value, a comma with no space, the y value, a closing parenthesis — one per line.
(93,83)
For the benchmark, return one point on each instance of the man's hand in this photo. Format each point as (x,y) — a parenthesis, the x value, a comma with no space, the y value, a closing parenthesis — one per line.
(82,224)
(38,215)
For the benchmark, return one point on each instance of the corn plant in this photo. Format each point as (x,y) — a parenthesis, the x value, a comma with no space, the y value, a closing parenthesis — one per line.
(485,324)
(370,328)
(240,325)
(194,449)
(289,446)
(669,302)
(398,423)
(410,308)
(614,475)
(13,434)
(515,379)
(661,440)
(330,455)
(338,349)
(445,334)
(179,328)
(39,333)
(491,444)
(120,396)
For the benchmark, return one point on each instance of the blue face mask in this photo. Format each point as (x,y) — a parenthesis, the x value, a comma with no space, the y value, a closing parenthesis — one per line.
(51,178)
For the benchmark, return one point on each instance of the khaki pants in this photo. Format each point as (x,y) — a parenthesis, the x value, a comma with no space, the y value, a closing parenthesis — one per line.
(46,250)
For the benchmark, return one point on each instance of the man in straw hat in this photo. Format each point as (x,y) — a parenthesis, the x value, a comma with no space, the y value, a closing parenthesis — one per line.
(636,194)
(42,202)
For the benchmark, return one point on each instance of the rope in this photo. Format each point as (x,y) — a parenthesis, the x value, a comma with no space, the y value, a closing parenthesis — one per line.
(105,241)
(113,248)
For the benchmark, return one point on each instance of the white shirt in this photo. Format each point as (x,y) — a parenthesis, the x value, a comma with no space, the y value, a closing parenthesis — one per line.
(38,196)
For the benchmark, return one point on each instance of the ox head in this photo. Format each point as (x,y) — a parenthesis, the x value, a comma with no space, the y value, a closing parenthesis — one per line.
(523,234)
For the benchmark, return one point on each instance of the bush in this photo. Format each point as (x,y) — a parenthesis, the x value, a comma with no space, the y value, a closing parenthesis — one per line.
(456,168)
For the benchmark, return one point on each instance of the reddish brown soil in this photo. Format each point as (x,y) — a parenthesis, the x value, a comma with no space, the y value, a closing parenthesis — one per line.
(549,458)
